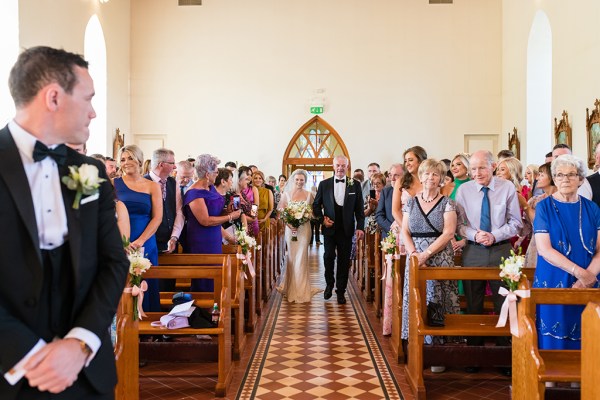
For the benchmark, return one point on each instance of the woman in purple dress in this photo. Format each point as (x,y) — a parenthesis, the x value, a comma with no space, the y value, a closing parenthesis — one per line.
(203,209)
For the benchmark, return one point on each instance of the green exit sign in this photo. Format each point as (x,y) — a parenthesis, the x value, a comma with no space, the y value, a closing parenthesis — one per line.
(316,110)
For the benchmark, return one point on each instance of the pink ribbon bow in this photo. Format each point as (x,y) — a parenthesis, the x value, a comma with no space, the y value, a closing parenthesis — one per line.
(138,291)
(387,271)
(509,308)
(247,260)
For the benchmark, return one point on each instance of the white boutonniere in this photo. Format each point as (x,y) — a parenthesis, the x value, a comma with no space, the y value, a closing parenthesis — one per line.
(350,182)
(84,179)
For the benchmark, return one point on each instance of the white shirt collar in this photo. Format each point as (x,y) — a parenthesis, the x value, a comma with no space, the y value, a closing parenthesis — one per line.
(24,140)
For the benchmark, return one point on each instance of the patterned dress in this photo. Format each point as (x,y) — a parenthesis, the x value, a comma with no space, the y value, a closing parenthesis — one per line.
(423,235)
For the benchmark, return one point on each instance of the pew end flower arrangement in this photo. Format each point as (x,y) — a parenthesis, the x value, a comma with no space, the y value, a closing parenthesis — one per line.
(511,270)
(390,248)
(246,243)
(138,264)
(295,214)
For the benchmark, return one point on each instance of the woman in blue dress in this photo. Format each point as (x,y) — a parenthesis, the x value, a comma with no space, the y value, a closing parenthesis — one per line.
(143,200)
(203,210)
(566,228)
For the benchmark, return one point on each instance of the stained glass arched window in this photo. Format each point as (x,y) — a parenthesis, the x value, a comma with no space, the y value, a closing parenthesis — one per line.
(315,144)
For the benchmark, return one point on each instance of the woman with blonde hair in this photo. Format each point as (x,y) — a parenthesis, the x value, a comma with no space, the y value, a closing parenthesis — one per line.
(531,174)
(265,199)
(511,169)
(143,200)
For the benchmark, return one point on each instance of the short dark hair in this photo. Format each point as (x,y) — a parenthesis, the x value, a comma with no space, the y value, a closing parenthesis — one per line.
(109,158)
(549,154)
(359,170)
(375,164)
(505,154)
(547,169)
(282,176)
(39,66)
(98,156)
(230,164)
(222,175)
(561,146)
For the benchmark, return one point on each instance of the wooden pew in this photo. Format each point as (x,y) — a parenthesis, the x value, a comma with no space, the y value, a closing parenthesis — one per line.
(357,265)
(193,266)
(249,289)
(455,324)
(206,300)
(369,266)
(126,351)
(379,259)
(590,351)
(533,367)
(397,285)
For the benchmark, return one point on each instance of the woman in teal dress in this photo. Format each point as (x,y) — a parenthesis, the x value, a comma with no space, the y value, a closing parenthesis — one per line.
(143,200)
(566,228)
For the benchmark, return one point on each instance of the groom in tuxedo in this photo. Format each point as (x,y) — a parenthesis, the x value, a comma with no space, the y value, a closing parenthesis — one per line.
(62,264)
(339,206)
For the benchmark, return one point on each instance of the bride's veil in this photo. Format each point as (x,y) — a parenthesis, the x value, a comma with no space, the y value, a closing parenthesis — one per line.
(291,184)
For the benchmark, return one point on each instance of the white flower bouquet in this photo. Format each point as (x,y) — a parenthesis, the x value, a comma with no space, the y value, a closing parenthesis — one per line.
(295,214)
(138,264)
(388,244)
(511,269)
(245,241)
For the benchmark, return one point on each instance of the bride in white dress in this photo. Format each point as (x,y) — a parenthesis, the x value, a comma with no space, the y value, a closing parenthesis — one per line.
(296,282)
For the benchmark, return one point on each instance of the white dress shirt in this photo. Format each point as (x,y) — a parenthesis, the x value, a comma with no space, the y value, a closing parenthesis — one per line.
(339,190)
(585,190)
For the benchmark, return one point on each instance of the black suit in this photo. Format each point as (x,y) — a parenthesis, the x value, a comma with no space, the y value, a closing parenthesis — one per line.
(338,238)
(94,260)
(383,214)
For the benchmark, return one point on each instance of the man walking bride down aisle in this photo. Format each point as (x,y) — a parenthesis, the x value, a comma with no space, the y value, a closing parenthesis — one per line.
(339,206)
(296,283)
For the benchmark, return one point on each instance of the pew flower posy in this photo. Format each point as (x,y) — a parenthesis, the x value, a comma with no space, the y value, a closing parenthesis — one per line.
(138,264)
(388,244)
(511,269)
(295,214)
(84,179)
(246,242)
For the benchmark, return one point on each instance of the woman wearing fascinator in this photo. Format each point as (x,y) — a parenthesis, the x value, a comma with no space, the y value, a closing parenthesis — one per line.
(296,282)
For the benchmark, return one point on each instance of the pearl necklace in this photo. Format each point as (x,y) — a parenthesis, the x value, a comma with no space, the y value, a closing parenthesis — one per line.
(431,200)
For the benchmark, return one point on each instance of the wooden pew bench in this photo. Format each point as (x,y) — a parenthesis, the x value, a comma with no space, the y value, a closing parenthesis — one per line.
(533,367)
(126,351)
(208,266)
(590,351)
(206,299)
(455,324)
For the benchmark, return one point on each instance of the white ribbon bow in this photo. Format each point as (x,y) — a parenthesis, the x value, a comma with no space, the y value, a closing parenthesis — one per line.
(247,260)
(138,291)
(387,271)
(509,308)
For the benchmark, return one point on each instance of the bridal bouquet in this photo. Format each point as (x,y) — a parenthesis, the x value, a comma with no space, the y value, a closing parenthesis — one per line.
(511,269)
(295,214)
(246,242)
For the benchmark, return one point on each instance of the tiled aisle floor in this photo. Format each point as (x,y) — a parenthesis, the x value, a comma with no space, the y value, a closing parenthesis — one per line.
(316,350)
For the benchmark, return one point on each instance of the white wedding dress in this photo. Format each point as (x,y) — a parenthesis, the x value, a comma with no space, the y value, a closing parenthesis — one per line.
(296,282)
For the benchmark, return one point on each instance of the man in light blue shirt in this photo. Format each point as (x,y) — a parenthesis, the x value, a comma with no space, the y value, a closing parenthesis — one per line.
(487,228)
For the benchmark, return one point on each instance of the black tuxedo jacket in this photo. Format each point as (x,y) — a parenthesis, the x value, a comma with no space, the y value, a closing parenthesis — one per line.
(99,265)
(324,204)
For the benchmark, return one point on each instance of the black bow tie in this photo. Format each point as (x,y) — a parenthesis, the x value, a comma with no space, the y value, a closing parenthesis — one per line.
(41,151)
(340,180)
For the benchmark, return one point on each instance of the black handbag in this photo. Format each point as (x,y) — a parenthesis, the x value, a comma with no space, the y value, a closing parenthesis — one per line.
(435,314)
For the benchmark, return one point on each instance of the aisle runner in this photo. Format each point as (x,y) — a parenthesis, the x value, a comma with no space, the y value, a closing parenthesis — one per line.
(319,350)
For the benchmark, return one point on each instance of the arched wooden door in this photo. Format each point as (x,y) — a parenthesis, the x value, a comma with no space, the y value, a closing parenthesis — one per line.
(313,148)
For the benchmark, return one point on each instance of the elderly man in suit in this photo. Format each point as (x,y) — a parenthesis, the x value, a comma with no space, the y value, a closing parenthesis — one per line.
(339,206)
(383,214)
(62,264)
